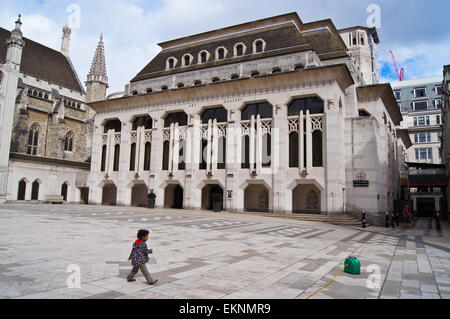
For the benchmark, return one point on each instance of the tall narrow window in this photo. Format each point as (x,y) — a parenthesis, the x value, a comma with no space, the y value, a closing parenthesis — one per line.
(166,146)
(187,60)
(148,148)
(221,54)
(64,189)
(203,57)
(22,190)
(293,150)
(33,140)
(259,46)
(35,191)
(222,154)
(239,50)
(171,63)
(203,151)
(116,158)
(245,152)
(133,157)
(317,149)
(68,142)
(182,155)
(103,166)
(266,150)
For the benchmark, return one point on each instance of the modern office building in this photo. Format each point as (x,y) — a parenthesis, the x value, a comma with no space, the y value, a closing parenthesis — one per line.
(420,102)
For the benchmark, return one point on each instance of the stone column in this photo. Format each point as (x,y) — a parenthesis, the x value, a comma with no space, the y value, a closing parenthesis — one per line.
(252,143)
(301,141)
(140,150)
(309,147)
(172,136)
(209,147)
(176,148)
(215,147)
(109,146)
(258,162)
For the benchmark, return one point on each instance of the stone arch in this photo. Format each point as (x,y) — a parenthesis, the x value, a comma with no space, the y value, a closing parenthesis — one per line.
(256,196)
(307,196)
(139,192)
(173,195)
(109,194)
(245,108)
(313,102)
(112,124)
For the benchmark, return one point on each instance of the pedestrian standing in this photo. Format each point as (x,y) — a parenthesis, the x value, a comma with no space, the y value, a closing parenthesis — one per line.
(406,214)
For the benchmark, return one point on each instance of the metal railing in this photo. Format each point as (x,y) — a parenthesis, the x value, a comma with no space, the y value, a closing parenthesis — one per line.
(358,212)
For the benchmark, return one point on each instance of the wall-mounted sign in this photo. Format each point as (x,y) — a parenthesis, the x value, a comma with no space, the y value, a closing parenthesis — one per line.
(360,180)
(229,194)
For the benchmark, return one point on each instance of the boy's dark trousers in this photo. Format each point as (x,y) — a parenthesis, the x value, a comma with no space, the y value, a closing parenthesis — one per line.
(144,270)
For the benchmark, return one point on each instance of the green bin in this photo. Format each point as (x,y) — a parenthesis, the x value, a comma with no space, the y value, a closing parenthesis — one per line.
(352,266)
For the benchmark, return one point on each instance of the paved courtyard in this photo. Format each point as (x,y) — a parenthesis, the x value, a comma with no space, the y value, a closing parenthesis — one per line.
(211,255)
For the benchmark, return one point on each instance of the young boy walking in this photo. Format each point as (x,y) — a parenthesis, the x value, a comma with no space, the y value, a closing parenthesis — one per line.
(139,257)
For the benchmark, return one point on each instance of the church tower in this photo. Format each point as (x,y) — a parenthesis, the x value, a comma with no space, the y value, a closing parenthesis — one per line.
(8,93)
(97,81)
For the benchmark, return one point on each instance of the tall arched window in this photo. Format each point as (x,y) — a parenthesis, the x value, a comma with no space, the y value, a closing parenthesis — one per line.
(239,50)
(116,158)
(64,189)
(35,190)
(259,46)
(103,164)
(147,155)
(22,190)
(187,60)
(33,140)
(203,152)
(133,157)
(68,142)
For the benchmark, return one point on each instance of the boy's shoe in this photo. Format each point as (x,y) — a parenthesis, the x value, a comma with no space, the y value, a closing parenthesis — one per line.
(153,282)
(131,280)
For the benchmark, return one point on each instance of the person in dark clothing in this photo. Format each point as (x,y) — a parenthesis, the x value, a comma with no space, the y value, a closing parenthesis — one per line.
(139,258)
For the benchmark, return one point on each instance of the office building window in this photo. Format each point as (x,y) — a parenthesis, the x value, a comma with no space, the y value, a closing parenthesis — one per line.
(420,92)
(398,95)
(421,106)
(438,89)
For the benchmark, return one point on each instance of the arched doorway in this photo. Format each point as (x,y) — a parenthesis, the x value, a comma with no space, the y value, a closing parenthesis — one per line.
(306,199)
(35,190)
(207,195)
(64,189)
(173,197)
(22,190)
(109,197)
(139,194)
(256,198)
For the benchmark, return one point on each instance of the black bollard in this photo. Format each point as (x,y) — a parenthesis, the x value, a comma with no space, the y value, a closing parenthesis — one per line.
(438,222)
(387,219)
(364,222)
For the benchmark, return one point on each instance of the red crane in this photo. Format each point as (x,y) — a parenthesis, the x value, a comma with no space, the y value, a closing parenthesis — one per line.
(401,74)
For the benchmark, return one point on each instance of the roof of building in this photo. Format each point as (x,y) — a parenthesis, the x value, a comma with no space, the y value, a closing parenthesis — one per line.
(416,82)
(283,34)
(383,91)
(43,63)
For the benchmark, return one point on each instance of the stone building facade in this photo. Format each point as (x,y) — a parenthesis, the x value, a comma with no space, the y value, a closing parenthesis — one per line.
(47,127)
(276,115)
(446,125)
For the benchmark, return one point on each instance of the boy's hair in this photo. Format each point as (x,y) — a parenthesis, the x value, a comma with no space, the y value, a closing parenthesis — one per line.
(142,233)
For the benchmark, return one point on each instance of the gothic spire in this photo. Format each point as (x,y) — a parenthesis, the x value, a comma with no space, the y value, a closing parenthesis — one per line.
(98,67)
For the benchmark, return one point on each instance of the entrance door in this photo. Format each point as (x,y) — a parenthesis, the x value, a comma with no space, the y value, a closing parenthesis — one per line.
(178,197)
(425,207)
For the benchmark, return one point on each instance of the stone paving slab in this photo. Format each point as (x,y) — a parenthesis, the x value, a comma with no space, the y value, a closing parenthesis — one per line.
(205,255)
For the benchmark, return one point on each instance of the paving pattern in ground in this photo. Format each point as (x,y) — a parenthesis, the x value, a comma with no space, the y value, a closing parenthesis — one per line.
(208,255)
